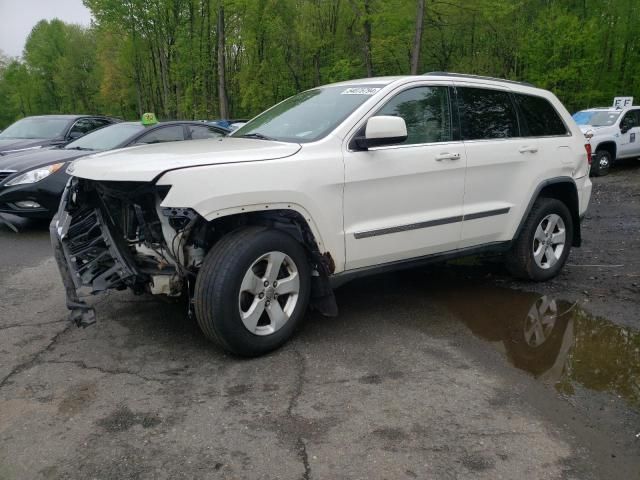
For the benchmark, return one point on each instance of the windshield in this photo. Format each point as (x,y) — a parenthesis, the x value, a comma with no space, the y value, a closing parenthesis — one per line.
(603,118)
(308,116)
(36,127)
(106,138)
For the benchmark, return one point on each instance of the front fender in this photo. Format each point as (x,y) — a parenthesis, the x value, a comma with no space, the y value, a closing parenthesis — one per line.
(310,187)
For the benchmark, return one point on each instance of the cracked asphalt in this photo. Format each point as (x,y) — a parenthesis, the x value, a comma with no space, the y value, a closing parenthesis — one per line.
(415,379)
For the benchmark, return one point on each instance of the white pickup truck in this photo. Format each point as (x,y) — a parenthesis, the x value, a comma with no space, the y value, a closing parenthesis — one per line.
(613,133)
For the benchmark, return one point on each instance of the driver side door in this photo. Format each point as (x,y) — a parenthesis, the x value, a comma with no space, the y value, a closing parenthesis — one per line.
(405,201)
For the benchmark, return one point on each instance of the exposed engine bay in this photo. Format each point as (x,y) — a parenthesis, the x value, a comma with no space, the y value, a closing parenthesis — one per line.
(116,235)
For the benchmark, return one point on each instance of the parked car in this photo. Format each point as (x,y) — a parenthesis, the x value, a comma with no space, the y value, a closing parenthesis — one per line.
(32,182)
(337,182)
(47,130)
(613,133)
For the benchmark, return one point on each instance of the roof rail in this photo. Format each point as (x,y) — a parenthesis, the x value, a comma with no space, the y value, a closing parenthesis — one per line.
(479,77)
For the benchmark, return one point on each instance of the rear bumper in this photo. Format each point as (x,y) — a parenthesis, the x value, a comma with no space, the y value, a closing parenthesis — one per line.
(584,187)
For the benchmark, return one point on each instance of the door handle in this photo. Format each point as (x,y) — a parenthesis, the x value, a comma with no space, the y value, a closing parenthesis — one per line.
(448,156)
(528,149)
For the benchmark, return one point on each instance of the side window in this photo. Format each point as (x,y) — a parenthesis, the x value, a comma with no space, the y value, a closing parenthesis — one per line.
(174,133)
(540,118)
(486,114)
(100,122)
(631,119)
(426,112)
(197,132)
(82,126)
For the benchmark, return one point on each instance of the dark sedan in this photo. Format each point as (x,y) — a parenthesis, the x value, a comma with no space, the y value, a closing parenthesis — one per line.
(31,182)
(46,130)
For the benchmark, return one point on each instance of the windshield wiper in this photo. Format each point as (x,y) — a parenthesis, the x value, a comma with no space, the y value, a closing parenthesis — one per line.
(257,135)
(79,148)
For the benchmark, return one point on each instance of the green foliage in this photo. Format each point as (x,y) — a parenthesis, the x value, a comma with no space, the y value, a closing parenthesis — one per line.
(161,55)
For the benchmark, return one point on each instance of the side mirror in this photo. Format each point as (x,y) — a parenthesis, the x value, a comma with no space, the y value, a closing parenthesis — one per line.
(624,128)
(382,130)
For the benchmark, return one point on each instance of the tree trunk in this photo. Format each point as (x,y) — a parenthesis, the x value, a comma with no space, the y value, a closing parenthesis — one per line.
(417,39)
(368,61)
(222,88)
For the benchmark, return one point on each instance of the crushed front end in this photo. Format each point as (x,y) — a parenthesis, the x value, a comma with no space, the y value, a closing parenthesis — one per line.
(115,235)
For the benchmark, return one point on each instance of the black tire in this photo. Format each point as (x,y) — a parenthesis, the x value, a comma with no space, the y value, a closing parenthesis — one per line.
(520,259)
(601,163)
(218,286)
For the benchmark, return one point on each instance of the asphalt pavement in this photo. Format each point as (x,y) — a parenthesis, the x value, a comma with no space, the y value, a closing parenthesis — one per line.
(450,372)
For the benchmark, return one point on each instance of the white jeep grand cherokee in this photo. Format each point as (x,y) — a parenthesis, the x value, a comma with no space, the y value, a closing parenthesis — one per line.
(334,183)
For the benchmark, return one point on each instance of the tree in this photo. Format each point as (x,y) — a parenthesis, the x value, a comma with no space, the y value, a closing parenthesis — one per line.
(234,58)
(417,39)
(222,84)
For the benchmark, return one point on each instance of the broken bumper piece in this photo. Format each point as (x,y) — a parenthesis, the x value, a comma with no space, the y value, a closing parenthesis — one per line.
(88,259)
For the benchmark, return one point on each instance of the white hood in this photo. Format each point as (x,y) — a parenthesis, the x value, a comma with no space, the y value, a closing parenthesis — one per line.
(145,162)
(587,128)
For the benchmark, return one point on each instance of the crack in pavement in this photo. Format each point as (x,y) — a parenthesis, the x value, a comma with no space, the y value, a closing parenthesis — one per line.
(304,456)
(301,446)
(106,371)
(19,325)
(35,360)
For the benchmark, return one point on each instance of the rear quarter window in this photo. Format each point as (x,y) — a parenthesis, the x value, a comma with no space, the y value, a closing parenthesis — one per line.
(538,117)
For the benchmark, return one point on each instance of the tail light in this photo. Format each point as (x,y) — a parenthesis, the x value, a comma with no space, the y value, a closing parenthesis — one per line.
(587,147)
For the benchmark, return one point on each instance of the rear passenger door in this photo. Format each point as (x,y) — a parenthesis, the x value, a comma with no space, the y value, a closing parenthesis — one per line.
(496,158)
(513,143)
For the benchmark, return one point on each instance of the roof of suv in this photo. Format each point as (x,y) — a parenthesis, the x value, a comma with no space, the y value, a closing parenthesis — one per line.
(450,75)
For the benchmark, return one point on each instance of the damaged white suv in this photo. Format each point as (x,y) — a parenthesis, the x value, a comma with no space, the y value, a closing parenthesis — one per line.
(334,183)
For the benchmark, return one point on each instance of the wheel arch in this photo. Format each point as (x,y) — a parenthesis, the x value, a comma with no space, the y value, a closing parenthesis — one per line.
(565,190)
(287,217)
(609,146)
(293,222)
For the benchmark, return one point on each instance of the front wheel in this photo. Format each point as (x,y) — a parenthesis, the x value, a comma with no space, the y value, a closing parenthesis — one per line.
(252,290)
(601,163)
(542,248)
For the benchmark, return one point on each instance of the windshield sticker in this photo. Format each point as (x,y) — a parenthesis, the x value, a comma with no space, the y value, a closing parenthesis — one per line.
(361,91)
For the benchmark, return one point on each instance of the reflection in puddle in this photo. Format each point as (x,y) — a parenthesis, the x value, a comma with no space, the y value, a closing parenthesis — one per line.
(554,340)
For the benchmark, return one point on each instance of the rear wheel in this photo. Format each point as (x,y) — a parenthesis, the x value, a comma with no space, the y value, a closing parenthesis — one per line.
(601,163)
(542,248)
(252,290)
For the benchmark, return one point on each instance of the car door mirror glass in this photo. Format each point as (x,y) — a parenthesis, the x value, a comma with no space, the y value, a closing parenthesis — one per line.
(383,130)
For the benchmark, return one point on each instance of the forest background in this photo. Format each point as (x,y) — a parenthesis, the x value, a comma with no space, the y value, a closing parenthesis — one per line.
(206,59)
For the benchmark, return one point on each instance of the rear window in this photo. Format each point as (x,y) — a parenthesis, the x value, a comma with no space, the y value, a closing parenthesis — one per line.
(486,114)
(539,118)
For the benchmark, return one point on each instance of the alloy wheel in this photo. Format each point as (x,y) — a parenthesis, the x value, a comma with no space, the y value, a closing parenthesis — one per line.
(549,241)
(269,293)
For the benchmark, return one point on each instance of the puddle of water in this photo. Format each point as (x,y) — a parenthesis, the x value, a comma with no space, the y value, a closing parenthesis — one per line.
(556,341)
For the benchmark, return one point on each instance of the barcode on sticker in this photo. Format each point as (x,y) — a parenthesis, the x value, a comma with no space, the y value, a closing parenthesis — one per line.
(360,91)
